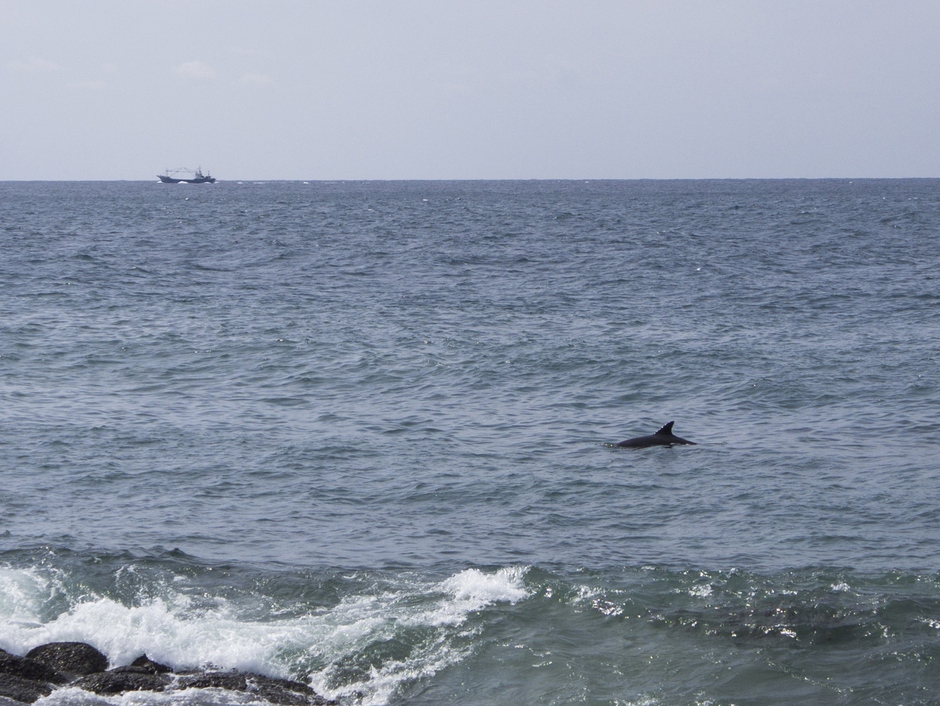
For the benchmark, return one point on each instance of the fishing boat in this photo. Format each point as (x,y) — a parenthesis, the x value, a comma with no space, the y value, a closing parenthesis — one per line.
(197,177)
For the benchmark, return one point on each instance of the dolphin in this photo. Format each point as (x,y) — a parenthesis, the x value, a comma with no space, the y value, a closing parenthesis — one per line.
(664,437)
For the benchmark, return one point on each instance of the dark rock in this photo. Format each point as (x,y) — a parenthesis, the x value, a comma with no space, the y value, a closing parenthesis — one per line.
(117,682)
(276,691)
(148,665)
(29,669)
(23,690)
(234,681)
(26,679)
(70,657)
(130,669)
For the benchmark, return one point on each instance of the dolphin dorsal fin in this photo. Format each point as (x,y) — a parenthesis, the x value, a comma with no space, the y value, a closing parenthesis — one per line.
(667,429)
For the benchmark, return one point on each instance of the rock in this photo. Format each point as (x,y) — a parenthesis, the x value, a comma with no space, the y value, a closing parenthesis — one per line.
(276,691)
(119,680)
(23,690)
(148,665)
(75,658)
(26,679)
(29,669)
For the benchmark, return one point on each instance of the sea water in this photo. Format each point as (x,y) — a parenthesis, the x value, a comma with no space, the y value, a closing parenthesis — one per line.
(361,434)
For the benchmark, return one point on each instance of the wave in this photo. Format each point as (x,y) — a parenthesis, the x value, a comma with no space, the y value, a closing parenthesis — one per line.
(500,635)
(361,647)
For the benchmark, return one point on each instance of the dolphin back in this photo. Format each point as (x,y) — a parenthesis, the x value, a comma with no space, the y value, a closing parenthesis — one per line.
(663,437)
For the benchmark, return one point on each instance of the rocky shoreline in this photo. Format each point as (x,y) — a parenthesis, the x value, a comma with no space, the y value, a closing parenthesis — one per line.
(79,665)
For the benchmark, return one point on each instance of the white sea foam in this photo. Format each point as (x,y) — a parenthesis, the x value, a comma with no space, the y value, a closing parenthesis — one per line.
(22,594)
(702,590)
(125,632)
(472,590)
(190,697)
(175,630)
(364,620)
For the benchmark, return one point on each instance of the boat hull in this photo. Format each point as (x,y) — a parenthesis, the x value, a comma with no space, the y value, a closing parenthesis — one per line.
(199,178)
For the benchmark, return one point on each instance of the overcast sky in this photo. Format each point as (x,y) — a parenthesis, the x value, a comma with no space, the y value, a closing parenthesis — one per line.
(469,89)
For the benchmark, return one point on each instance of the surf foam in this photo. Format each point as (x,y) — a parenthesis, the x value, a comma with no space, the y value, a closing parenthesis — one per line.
(362,649)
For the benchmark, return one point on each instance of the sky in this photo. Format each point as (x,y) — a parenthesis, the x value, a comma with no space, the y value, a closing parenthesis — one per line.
(469,89)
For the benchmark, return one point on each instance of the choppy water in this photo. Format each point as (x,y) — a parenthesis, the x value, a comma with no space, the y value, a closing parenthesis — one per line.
(359,434)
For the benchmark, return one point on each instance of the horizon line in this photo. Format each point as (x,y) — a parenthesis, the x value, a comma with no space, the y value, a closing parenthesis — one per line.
(482,179)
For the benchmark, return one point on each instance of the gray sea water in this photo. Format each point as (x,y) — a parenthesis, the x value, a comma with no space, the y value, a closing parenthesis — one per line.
(361,434)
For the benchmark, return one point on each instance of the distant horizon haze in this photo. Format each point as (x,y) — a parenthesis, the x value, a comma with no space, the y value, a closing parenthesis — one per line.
(418,90)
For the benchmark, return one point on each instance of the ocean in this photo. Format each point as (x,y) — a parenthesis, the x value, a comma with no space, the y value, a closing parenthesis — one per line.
(362,435)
